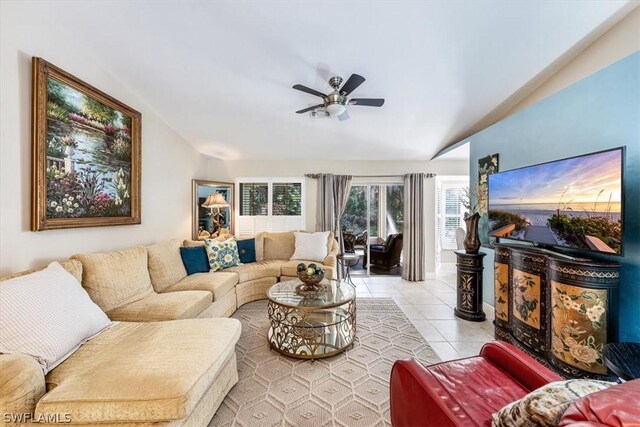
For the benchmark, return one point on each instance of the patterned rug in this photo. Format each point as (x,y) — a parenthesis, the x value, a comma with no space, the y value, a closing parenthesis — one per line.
(349,389)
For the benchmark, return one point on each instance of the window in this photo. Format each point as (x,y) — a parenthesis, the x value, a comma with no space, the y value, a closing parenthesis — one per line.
(450,213)
(269,204)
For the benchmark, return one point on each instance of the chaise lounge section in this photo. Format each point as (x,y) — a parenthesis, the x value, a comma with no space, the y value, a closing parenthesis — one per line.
(170,359)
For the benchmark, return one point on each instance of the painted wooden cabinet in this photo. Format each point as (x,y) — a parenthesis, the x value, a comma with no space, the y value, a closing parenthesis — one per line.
(562,310)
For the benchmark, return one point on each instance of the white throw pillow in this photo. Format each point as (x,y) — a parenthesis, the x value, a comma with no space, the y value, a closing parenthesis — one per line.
(47,315)
(311,246)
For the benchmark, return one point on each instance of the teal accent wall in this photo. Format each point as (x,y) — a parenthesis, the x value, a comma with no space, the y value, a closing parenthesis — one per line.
(599,112)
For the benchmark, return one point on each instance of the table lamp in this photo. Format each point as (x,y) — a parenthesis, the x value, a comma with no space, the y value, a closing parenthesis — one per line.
(215,200)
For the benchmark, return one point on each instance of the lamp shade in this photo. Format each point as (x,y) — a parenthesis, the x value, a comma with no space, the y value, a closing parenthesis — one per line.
(215,200)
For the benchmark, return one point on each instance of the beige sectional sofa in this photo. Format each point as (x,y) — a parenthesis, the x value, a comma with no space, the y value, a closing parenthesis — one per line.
(170,360)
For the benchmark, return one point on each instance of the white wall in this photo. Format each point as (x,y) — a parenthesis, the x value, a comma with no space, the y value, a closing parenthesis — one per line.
(220,170)
(620,41)
(168,161)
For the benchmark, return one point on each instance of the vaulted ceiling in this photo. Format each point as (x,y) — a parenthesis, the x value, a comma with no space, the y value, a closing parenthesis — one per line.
(220,73)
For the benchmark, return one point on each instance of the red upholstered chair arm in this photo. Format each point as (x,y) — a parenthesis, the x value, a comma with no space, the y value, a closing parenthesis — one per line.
(615,406)
(412,400)
(519,365)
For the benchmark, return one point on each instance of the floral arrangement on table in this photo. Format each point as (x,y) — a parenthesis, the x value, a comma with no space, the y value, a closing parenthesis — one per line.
(579,335)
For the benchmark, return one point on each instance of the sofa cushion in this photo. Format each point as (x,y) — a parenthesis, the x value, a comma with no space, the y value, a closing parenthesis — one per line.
(218,283)
(256,270)
(546,405)
(289,268)
(166,306)
(141,372)
(47,315)
(195,260)
(278,245)
(165,264)
(71,265)
(247,250)
(113,279)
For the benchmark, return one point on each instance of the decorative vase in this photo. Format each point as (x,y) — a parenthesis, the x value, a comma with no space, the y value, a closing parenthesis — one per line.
(471,239)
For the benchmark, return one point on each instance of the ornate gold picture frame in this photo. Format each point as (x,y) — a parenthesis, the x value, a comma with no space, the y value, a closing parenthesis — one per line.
(86,154)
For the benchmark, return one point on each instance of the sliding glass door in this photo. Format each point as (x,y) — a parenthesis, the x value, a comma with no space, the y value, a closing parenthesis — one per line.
(373,212)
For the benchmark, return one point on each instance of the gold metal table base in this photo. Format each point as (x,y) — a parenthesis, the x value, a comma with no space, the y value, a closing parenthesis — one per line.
(311,332)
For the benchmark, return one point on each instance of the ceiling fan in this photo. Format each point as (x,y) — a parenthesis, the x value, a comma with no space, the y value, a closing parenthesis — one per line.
(335,103)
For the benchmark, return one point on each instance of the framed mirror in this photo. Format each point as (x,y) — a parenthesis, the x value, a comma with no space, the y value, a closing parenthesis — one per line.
(212,208)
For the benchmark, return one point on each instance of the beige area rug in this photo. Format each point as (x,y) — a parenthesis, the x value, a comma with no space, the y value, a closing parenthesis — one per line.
(349,389)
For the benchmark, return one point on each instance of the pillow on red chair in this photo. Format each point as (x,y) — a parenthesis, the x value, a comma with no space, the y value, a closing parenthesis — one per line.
(546,405)
(616,406)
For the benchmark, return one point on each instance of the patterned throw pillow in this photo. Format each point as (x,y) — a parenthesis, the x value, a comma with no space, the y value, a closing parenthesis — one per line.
(545,406)
(222,254)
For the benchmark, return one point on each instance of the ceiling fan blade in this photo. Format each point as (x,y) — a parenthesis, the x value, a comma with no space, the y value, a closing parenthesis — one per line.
(309,91)
(344,116)
(306,110)
(354,81)
(367,102)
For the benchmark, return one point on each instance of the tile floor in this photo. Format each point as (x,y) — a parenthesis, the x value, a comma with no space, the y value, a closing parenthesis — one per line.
(429,305)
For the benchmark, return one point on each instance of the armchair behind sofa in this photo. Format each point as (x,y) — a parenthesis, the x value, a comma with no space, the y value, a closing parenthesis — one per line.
(386,255)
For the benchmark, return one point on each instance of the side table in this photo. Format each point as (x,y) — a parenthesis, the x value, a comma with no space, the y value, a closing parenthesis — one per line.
(623,359)
(345,262)
(469,288)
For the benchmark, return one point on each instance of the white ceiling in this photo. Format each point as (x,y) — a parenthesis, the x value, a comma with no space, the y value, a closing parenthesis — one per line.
(220,73)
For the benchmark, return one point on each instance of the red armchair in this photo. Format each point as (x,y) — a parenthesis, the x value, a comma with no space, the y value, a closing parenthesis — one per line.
(466,392)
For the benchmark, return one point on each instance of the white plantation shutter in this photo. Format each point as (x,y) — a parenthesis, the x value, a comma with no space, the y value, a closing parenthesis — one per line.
(269,204)
(450,214)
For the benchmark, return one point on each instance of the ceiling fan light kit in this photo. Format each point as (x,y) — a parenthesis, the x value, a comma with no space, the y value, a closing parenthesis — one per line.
(335,103)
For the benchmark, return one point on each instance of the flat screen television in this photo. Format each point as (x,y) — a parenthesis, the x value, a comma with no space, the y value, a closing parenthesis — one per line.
(574,203)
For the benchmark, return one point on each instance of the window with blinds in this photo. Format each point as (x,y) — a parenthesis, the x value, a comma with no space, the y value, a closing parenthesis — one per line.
(254,198)
(450,214)
(287,198)
(269,204)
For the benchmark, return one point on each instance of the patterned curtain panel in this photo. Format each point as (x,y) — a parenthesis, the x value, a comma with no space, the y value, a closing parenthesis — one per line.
(414,227)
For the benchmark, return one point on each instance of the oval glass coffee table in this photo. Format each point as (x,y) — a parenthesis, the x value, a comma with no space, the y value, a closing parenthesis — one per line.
(311,326)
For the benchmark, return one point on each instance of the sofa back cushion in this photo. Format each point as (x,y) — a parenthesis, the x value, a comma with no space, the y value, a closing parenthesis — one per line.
(165,264)
(71,265)
(113,279)
(47,315)
(278,245)
(193,243)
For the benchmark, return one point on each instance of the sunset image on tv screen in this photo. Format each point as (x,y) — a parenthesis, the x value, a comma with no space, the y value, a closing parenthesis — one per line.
(575,203)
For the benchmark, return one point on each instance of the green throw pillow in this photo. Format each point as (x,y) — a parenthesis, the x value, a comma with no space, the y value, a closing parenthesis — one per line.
(222,254)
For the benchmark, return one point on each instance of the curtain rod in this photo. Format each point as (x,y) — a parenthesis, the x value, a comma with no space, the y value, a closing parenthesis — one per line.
(316,176)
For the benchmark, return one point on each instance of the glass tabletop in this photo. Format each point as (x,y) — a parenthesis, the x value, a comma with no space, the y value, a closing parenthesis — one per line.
(334,294)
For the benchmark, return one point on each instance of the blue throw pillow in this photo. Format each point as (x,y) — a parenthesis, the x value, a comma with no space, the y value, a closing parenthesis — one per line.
(195,260)
(247,250)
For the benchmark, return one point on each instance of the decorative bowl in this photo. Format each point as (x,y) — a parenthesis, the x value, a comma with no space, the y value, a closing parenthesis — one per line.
(310,276)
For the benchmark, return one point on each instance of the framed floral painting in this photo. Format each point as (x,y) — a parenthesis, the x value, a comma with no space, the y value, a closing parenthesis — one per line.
(85,154)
